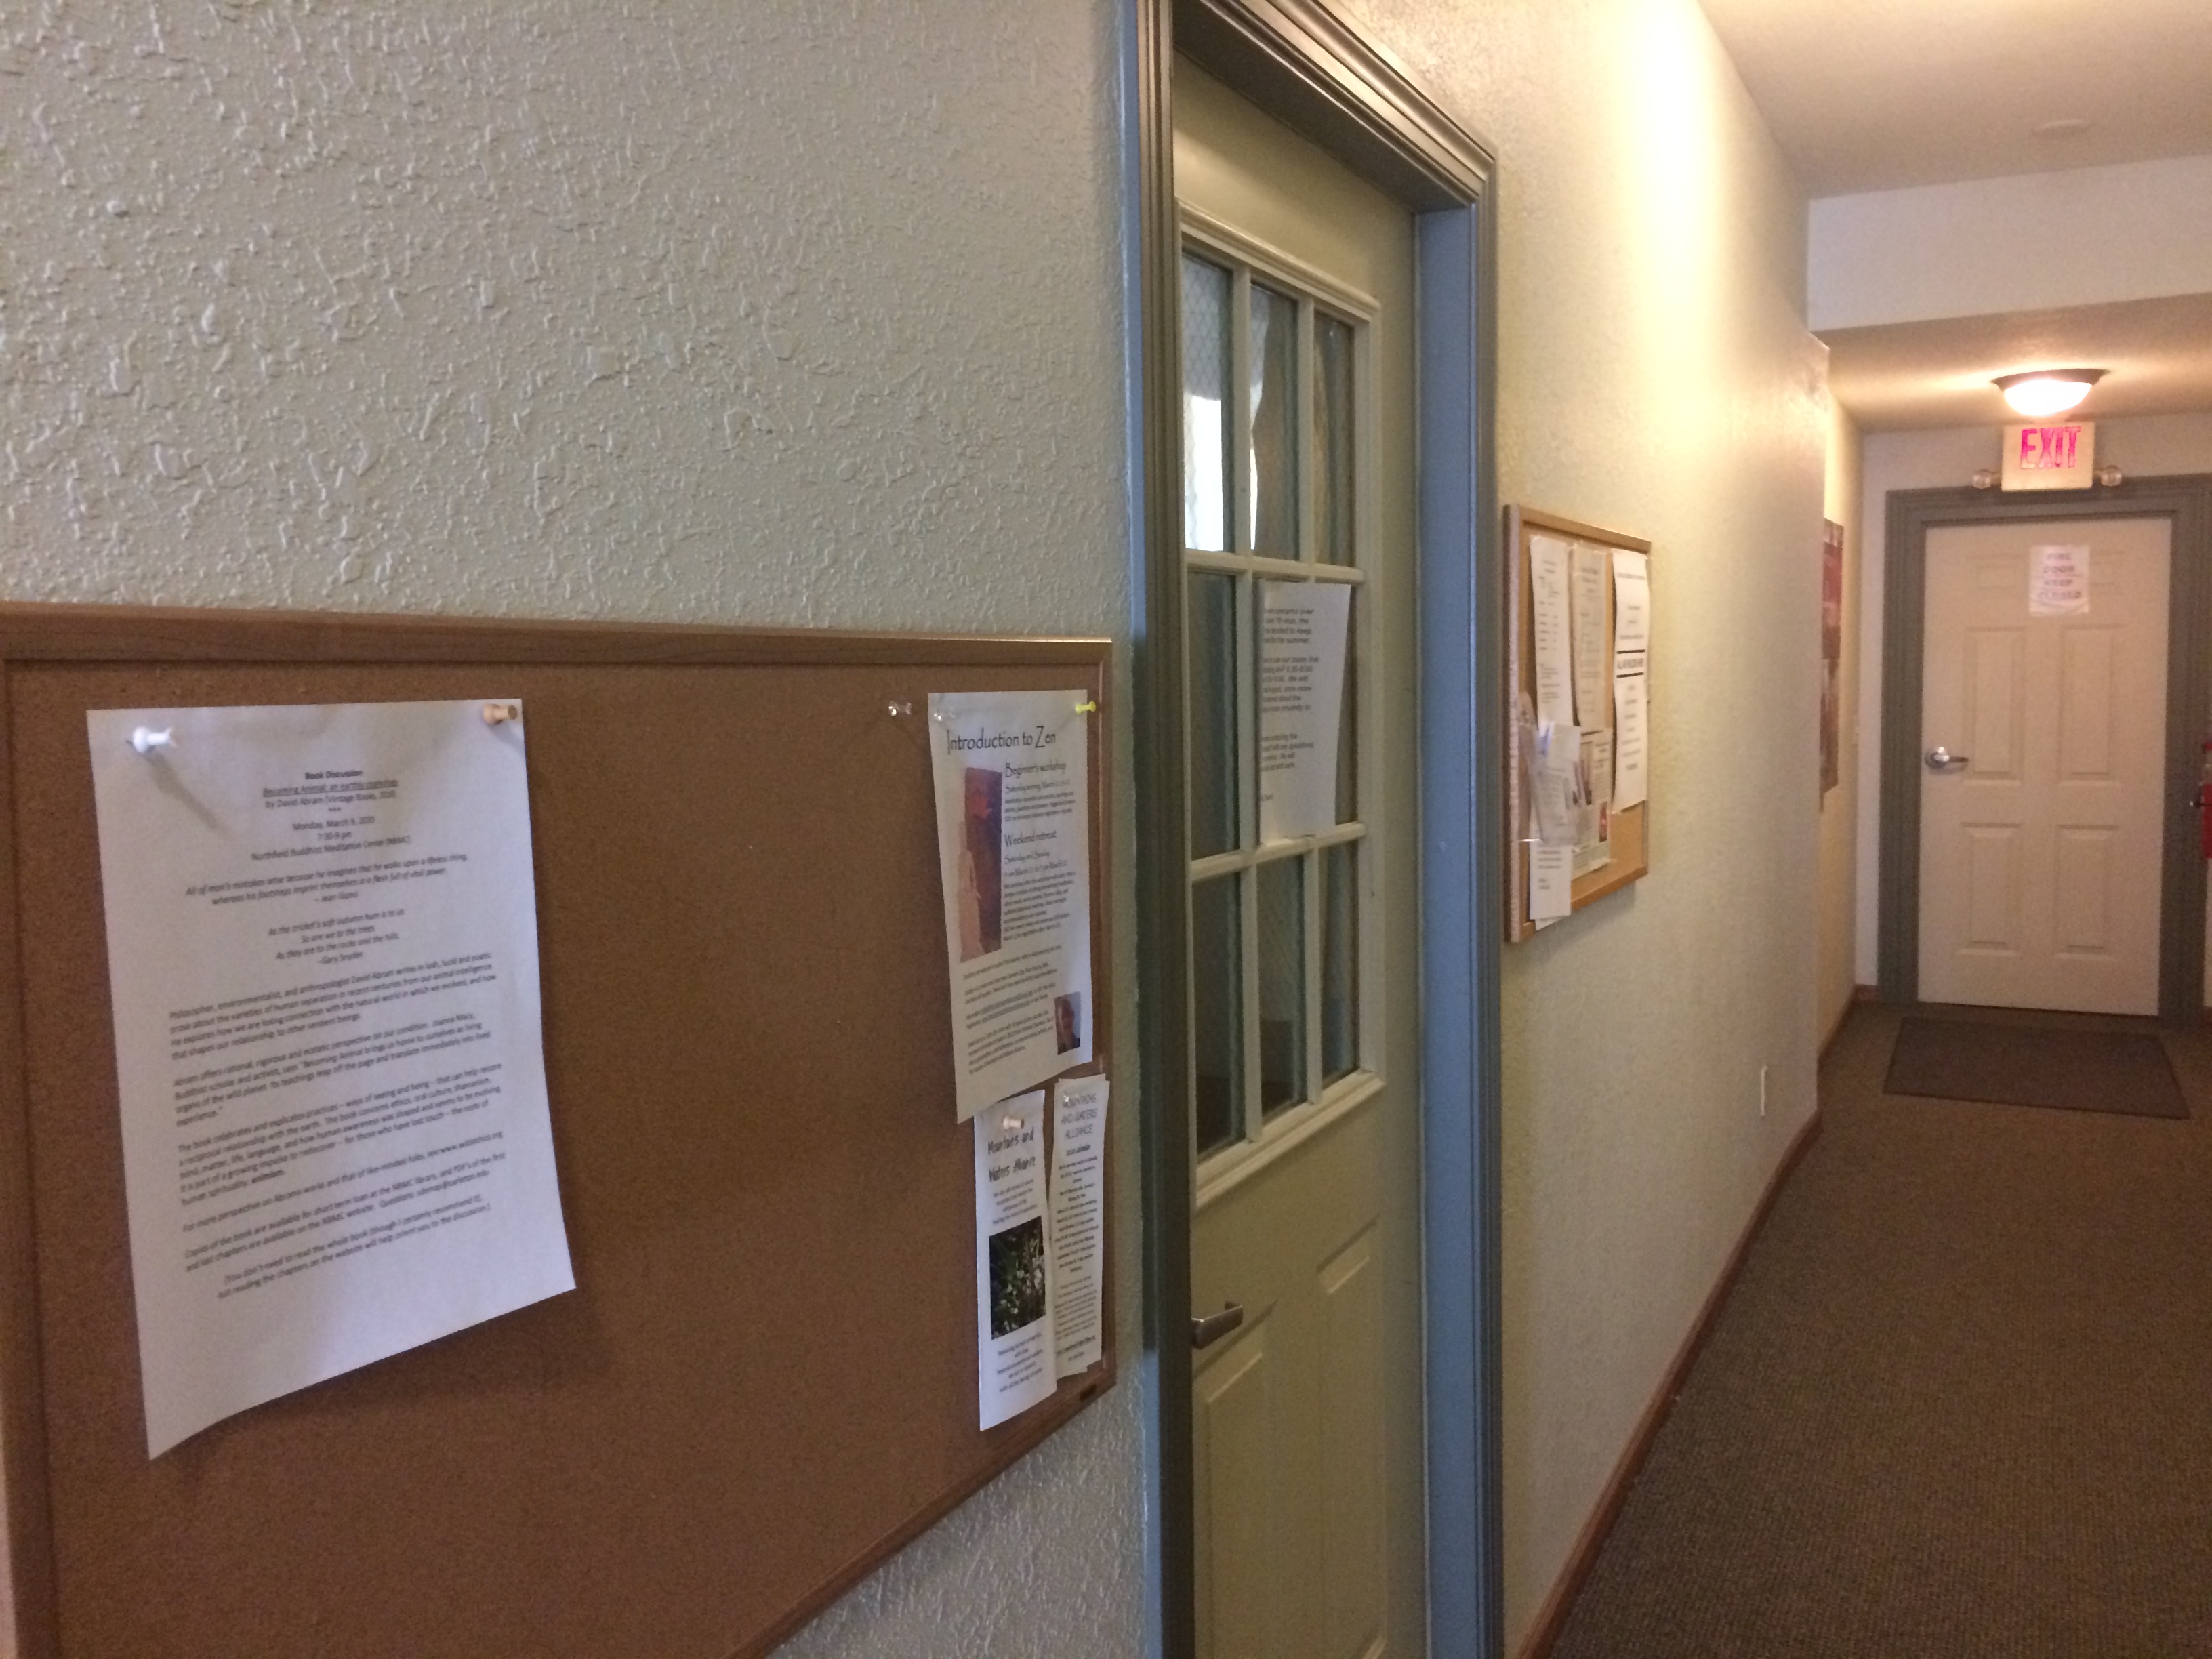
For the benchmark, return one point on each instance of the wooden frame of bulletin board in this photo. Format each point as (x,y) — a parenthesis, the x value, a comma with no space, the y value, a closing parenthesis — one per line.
(1631,828)
(765,1382)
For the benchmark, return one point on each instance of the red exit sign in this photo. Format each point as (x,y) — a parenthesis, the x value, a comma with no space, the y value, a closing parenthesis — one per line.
(2044,457)
(2045,447)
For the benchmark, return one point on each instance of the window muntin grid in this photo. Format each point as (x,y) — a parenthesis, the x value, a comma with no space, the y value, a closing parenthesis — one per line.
(1282,978)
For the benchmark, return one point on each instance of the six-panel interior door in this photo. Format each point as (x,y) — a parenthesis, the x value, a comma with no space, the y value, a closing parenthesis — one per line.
(1297,352)
(2040,823)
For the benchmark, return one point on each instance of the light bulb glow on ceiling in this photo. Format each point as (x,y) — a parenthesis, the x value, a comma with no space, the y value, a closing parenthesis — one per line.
(2048,391)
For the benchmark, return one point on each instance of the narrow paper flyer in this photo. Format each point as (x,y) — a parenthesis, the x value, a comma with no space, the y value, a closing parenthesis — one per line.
(322,943)
(1014,842)
(1013,1261)
(1632,612)
(1304,629)
(1548,562)
(1631,742)
(1591,654)
(1078,1221)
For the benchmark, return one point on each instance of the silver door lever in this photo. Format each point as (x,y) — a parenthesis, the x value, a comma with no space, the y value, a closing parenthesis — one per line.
(1941,759)
(1207,1331)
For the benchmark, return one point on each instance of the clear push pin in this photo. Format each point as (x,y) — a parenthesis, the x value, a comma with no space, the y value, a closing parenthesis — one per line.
(145,739)
(900,710)
(498,714)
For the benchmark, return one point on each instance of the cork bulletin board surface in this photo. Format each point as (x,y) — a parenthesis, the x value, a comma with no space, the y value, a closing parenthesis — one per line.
(765,1382)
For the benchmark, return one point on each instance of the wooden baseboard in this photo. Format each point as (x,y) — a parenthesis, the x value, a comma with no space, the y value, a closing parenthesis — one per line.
(1552,1617)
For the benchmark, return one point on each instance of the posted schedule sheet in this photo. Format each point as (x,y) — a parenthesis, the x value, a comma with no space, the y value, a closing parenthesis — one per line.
(322,941)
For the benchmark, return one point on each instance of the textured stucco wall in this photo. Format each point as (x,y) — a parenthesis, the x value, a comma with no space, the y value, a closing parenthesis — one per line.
(1839,807)
(1655,376)
(670,309)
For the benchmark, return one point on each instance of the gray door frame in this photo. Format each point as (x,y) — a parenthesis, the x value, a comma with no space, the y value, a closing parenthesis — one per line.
(2187,504)
(1308,68)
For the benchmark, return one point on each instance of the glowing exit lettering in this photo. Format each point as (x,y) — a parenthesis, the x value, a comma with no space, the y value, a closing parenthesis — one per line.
(2049,446)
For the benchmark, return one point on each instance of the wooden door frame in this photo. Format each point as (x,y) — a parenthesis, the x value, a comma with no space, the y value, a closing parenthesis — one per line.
(2185,502)
(1308,68)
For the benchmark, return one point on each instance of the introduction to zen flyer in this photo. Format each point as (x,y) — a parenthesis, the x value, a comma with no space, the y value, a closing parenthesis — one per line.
(1014,842)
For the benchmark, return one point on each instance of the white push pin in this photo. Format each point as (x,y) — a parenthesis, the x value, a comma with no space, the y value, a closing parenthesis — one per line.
(145,739)
(1010,1122)
(498,714)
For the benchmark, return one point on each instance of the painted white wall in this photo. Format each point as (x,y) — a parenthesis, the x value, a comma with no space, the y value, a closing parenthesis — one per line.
(1839,807)
(1654,377)
(668,309)
(2143,446)
(2141,230)
(780,313)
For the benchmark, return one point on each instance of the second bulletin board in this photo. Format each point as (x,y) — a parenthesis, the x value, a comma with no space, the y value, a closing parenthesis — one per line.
(1628,839)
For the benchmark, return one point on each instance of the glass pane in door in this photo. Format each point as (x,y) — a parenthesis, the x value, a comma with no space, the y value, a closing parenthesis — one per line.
(1274,348)
(1217,1036)
(1339,961)
(1205,291)
(1210,623)
(1333,481)
(1347,725)
(1282,983)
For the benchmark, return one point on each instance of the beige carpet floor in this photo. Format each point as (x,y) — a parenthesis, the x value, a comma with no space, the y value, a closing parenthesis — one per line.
(1959,1405)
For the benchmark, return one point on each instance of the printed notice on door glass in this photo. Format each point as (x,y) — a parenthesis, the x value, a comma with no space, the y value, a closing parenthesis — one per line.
(1303,629)
(1013,841)
(1078,1221)
(1014,1359)
(322,946)
(2058,581)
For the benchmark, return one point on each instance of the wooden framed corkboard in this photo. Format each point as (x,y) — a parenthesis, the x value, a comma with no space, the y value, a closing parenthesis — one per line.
(1630,857)
(765,1382)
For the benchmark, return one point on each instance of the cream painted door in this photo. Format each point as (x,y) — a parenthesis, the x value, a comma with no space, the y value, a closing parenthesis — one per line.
(2039,820)
(1298,302)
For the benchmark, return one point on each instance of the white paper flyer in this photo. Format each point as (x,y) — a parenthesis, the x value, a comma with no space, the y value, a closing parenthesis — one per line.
(1631,742)
(1551,883)
(1013,843)
(1550,624)
(1078,1221)
(1631,611)
(1591,657)
(2058,580)
(322,942)
(1013,1261)
(1302,631)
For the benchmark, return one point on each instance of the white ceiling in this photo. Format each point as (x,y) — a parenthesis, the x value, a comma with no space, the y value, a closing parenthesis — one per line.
(1867,95)
(2157,353)
(1876,94)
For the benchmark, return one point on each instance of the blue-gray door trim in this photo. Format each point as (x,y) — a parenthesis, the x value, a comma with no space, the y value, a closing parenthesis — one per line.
(1320,77)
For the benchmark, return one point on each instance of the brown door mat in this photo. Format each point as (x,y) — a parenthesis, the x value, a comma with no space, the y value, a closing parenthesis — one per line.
(2125,1072)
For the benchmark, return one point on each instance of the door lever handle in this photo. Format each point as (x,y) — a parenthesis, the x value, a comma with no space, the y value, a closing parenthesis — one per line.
(1941,759)
(1209,1329)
